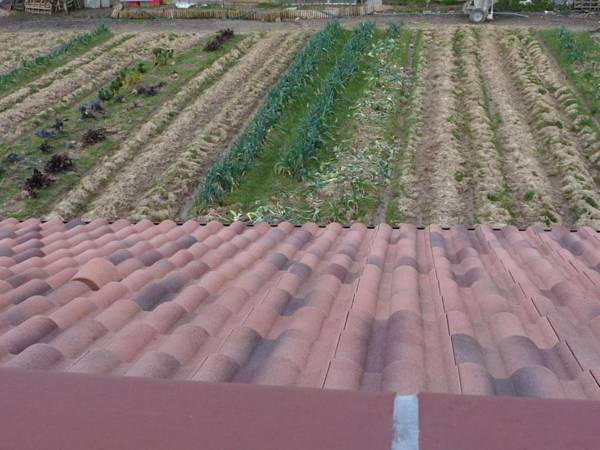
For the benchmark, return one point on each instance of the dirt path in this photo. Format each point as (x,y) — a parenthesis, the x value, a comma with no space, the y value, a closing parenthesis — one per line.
(438,160)
(122,196)
(483,160)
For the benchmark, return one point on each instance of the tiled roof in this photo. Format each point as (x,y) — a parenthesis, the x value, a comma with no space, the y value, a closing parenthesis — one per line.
(482,311)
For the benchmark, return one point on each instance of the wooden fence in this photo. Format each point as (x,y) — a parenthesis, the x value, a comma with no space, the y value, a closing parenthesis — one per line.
(587,5)
(265,16)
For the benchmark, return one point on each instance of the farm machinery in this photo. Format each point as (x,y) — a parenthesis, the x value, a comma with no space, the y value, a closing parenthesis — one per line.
(479,10)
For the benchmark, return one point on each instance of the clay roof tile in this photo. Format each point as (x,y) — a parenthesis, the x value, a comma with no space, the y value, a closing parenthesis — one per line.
(96,273)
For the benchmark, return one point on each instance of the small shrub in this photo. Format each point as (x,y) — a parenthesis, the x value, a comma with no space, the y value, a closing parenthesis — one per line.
(59,163)
(161,56)
(131,78)
(38,180)
(58,125)
(44,134)
(12,158)
(459,176)
(216,42)
(150,91)
(45,147)
(93,136)
(528,196)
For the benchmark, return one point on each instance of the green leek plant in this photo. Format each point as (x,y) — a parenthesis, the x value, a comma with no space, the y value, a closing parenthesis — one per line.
(30,68)
(225,174)
(315,124)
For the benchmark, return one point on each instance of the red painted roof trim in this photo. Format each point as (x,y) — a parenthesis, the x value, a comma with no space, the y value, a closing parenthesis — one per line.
(450,422)
(44,410)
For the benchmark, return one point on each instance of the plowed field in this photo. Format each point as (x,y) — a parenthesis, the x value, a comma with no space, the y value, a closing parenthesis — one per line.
(452,125)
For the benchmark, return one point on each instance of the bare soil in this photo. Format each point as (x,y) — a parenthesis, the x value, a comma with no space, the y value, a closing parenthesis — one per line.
(496,136)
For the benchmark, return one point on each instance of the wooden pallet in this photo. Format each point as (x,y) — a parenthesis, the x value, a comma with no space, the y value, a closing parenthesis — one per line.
(39,7)
(586,5)
(50,6)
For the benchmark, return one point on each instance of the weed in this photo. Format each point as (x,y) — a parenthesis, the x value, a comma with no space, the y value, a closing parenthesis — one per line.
(161,56)
(528,196)
(45,146)
(93,136)
(38,180)
(216,42)
(459,176)
(59,163)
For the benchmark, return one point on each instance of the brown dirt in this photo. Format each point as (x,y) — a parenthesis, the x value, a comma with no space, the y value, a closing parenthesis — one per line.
(525,170)
(504,120)
(170,194)
(547,101)
(435,191)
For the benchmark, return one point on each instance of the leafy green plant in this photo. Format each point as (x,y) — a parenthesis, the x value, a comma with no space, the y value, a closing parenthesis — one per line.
(161,56)
(225,174)
(31,67)
(310,134)
(126,77)
(528,196)
(578,54)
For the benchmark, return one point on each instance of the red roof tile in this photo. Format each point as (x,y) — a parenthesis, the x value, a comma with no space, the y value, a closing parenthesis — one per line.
(493,312)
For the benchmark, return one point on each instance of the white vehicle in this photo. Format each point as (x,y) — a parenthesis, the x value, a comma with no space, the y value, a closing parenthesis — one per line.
(479,10)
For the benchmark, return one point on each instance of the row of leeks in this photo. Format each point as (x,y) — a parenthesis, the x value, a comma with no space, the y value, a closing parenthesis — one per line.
(32,66)
(311,131)
(226,173)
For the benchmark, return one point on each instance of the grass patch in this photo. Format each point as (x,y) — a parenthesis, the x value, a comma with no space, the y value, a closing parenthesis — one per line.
(402,133)
(123,116)
(260,182)
(578,55)
(263,194)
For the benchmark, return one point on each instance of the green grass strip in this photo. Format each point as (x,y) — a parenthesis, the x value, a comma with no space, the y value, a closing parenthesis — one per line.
(310,135)
(578,55)
(28,69)
(225,174)
(260,181)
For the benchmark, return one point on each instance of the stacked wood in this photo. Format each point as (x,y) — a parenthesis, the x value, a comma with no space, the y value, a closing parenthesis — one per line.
(51,6)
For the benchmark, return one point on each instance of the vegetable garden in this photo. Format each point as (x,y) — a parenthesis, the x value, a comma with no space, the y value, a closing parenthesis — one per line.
(453,125)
